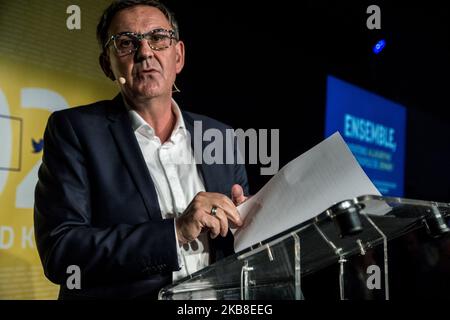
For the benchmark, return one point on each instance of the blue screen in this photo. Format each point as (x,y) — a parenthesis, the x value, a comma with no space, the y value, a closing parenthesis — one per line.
(374,129)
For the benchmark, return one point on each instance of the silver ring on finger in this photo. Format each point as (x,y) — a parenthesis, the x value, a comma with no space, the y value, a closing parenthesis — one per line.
(213,211)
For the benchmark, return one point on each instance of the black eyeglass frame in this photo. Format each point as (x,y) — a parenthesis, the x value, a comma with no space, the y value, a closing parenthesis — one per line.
(139,37)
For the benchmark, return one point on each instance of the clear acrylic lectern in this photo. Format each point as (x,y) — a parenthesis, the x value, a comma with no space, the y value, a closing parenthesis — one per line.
(348,251)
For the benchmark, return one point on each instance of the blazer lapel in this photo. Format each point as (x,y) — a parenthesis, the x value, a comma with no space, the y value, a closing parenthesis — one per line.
(132,156)
(219,247)
(208,171)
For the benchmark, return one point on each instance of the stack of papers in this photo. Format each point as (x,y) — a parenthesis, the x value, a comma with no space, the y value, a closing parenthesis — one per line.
(305,187)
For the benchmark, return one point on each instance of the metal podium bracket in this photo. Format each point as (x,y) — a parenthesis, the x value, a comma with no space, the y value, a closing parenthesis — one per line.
(297,267)
(245,281)
(342,260)
(434,222)
(385,254)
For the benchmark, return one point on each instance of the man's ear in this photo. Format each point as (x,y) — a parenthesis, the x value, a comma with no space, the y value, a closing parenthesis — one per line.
(106,66)
(179,48)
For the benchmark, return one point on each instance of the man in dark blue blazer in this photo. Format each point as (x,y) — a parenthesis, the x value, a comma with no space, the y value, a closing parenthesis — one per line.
(98,204)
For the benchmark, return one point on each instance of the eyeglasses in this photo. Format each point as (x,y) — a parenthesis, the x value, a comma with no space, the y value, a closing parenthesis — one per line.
(129,42)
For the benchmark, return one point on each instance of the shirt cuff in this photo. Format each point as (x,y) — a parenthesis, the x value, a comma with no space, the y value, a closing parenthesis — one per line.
(180,260)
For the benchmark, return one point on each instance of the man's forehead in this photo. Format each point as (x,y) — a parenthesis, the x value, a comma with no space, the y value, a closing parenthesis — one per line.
(139,18)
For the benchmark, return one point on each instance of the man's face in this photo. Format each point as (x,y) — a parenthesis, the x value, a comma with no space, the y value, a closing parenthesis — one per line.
(148,73)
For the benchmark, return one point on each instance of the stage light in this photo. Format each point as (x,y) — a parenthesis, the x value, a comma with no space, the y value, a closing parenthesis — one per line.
(379,46)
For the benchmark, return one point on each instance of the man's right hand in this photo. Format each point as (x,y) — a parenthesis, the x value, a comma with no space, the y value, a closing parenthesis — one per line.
(197,217)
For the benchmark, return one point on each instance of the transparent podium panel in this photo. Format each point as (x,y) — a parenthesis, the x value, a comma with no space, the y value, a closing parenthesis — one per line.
(356,249)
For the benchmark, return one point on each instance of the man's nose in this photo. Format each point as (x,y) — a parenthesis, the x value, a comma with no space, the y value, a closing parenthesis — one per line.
(144,51)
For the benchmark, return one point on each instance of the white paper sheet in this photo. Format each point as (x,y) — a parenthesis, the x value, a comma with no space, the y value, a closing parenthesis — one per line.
(305,187)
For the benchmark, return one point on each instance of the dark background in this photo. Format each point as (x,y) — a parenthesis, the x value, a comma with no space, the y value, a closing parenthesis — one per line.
(263,64)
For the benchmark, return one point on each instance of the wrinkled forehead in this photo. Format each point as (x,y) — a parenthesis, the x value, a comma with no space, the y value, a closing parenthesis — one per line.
(140,19)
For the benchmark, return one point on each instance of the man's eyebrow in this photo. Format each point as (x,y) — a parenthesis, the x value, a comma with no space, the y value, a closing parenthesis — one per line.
(121,32)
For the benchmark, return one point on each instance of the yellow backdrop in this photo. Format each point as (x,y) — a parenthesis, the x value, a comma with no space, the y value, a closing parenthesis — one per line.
(44,66)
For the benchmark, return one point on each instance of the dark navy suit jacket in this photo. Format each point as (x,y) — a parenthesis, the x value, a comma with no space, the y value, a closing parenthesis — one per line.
(96,206)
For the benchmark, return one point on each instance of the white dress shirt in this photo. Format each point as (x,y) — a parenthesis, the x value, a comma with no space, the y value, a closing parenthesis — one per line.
(176,179)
